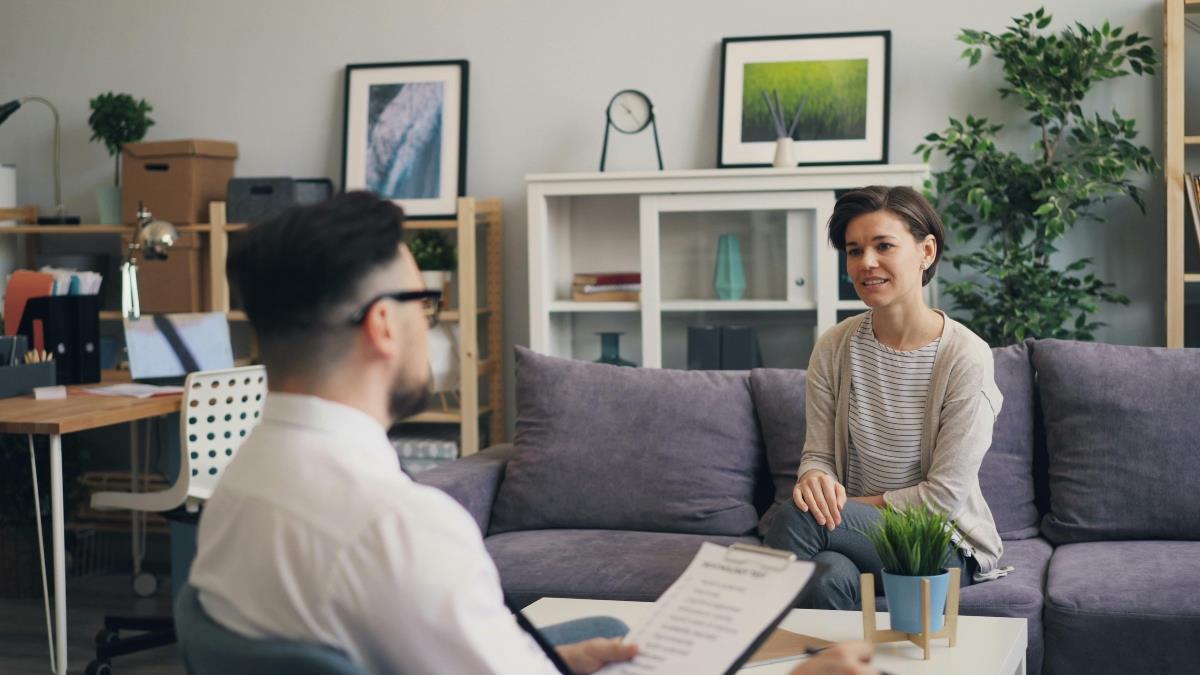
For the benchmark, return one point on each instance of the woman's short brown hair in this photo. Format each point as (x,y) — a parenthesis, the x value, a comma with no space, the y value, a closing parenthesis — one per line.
(906,203)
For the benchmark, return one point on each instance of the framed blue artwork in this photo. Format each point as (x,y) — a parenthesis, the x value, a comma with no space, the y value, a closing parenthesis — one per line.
(405,134)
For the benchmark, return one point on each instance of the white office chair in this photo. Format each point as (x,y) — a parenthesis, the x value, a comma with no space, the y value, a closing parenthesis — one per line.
(220,408)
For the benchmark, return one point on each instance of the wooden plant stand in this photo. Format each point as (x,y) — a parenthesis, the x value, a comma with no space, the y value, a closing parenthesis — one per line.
(925,638)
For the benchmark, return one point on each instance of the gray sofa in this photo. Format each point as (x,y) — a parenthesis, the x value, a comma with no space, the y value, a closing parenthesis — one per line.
(617,475)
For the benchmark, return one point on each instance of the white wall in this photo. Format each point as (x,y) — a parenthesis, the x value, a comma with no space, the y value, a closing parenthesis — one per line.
(268,75)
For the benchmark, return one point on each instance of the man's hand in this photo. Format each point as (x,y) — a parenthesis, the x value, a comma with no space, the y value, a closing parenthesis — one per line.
(819,493)
(592,655)
(846,658)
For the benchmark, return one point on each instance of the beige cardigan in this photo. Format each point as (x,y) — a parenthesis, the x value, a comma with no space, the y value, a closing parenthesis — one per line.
(962,407)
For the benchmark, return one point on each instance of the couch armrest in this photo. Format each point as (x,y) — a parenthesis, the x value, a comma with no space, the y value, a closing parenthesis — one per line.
(472,481)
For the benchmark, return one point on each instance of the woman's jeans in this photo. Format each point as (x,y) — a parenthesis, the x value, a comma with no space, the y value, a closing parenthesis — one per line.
(845,551)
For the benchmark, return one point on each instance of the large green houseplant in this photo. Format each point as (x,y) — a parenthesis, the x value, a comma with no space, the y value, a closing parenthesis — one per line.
(117,119)
(1024,205)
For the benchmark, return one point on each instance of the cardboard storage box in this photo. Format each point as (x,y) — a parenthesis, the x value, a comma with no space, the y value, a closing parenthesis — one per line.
(177,284)
(175,179)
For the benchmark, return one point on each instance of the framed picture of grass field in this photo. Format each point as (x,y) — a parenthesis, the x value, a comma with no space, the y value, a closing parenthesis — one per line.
(405,134)
(829,90)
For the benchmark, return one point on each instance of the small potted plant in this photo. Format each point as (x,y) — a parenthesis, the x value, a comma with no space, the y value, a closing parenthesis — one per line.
(116,119)
(435,256)
(914,544)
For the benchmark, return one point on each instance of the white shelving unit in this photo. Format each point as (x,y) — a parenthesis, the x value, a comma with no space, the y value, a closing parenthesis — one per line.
(666,225)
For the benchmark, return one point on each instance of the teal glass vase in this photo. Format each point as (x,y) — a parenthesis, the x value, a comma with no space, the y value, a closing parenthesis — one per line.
(729,278)
(610,351)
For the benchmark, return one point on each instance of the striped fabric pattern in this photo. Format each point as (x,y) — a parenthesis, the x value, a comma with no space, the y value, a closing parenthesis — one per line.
(888,393)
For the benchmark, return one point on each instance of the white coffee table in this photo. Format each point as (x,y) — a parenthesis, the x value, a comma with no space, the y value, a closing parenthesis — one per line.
(986,645)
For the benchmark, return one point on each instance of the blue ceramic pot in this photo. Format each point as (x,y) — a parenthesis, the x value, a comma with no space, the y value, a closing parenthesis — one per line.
(904,601)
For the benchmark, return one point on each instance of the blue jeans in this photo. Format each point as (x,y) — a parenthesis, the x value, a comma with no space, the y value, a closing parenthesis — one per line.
(570,632)
(845,552)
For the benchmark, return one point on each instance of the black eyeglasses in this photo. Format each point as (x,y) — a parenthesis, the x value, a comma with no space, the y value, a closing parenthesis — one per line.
(431,304)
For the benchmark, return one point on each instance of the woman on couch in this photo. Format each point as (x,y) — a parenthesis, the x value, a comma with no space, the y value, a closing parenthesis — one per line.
(899,408)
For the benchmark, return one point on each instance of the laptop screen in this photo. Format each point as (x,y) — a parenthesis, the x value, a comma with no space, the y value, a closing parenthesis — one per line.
(160,346)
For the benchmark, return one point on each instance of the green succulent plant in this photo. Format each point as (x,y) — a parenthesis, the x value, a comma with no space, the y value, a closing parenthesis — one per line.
(118,119)
(433,251)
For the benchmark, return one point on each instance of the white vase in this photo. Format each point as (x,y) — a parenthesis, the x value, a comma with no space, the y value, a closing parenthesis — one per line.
(435,280)
(783,153)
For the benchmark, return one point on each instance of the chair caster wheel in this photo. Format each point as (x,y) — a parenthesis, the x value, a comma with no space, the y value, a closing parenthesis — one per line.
(105,636)
(145,585)
(99,668)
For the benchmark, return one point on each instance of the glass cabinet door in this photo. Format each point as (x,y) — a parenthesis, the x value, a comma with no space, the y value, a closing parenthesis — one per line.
(732,261)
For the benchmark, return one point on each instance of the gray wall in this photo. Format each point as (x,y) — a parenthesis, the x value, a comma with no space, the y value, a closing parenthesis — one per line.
(268,74)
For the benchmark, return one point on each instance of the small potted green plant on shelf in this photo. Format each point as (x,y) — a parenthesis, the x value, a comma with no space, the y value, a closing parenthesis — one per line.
(436,257)
(914,544)
(116,119)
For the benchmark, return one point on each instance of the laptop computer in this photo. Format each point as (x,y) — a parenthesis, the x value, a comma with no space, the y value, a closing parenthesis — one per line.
(164,348)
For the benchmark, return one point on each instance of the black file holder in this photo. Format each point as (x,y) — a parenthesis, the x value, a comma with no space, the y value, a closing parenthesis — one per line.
(70,327)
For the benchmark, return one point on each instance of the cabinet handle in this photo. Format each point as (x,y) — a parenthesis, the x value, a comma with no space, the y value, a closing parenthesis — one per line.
(799,281)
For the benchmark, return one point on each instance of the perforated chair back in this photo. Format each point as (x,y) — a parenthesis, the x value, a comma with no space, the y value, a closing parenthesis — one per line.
(208,648)
(220,408)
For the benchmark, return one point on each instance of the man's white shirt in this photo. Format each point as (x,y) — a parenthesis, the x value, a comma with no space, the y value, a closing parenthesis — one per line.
(314,534)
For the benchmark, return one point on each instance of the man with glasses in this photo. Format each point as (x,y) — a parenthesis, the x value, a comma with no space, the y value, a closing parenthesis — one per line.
(314,534)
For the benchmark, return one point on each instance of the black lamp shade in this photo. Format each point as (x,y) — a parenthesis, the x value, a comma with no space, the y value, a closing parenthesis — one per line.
(8,109)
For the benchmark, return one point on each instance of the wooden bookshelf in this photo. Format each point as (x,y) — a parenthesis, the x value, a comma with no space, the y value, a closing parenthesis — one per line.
(479,221)
(1180,281)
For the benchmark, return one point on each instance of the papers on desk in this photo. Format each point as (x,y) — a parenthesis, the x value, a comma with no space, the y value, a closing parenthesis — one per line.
(717,613)
(133,389)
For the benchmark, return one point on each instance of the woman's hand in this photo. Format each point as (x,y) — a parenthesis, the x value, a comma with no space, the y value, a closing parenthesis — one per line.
(592,655)
(819,493)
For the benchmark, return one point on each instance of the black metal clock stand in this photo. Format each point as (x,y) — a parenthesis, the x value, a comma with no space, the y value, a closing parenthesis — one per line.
(653,123)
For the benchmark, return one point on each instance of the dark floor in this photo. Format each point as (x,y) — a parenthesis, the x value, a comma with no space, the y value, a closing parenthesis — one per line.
(23,645)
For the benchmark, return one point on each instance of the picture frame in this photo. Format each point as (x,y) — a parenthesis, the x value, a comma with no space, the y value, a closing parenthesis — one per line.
(404,134)
(844,80)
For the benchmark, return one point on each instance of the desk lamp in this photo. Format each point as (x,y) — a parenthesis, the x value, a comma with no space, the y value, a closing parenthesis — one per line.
(60,216)
(153,238)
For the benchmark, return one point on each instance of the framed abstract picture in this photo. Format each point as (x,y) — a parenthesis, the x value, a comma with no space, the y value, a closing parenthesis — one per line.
(405,134)
(831,88)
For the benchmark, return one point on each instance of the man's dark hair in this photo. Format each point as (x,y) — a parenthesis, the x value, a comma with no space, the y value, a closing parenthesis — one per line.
(298,274)
(906,203)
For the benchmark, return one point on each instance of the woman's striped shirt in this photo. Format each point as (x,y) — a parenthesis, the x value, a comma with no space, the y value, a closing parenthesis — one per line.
(888,393)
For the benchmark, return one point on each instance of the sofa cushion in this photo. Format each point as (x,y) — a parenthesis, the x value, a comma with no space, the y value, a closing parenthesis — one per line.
(1123,607)
(778,396)
(1120,438)
(1006,474)
(602,564)
(1017,595)
(602,447)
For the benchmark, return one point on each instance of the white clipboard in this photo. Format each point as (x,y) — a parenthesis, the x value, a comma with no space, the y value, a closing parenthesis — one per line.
(718,612)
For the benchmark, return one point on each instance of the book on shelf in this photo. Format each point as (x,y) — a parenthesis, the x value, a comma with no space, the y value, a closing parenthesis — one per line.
(605,288)
(1191,185)
(605,296)
(607,278)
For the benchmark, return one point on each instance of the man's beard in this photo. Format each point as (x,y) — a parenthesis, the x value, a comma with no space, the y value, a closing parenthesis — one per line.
(409,398)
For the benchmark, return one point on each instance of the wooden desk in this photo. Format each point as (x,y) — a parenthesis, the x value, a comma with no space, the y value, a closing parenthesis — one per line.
(77,412)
